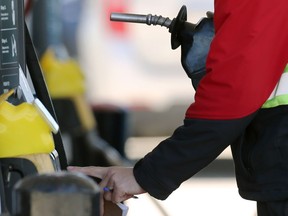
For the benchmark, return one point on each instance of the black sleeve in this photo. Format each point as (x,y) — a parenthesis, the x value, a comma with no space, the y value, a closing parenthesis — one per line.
(191,147)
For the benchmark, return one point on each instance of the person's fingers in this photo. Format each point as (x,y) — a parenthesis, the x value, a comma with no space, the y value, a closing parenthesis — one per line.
(108,187)
(98,172)
(114,196)
(104,183)
(117,196)
(112,193)
(108,195)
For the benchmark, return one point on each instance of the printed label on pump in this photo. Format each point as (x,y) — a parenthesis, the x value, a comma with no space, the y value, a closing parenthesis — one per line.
(12,43)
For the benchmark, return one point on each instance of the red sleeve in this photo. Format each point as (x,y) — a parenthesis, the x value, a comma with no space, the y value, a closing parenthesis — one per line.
(247,57)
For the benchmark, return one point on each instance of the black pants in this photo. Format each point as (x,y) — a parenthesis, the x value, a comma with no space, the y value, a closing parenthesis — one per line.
(261,157)
(279,208)
(261,161)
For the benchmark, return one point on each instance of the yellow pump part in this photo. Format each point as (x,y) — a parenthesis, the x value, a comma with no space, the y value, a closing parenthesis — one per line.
(64,78)
(23,131)
(42,162)
(84,112)
(6,95)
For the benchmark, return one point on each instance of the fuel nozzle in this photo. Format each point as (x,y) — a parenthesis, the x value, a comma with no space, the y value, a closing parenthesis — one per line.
(194,39)
(174,25)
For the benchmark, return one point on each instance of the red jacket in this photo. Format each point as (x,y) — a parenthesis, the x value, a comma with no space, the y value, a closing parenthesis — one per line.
(247,57)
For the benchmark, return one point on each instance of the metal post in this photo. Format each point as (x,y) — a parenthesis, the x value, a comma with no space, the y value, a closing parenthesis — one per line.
(56,194)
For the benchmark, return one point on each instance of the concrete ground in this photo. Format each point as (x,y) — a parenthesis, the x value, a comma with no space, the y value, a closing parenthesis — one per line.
(211,192)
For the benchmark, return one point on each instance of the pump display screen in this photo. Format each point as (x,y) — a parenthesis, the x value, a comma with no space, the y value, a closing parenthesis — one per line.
(12,43)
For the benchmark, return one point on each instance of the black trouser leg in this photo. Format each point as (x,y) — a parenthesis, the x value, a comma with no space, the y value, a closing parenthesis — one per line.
(279,208)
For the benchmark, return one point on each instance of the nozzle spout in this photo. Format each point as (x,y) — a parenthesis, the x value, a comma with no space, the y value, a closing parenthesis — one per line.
(138,18)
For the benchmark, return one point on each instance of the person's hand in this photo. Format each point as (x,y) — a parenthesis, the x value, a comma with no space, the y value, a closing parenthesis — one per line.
(119,182)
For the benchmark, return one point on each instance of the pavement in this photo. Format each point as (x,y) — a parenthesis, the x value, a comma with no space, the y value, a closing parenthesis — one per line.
(213,191)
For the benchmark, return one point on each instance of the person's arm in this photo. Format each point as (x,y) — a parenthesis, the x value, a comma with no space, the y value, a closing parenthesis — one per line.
(192,147)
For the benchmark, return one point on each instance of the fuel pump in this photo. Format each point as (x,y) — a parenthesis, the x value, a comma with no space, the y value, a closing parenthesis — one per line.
(30,140)
(65,82)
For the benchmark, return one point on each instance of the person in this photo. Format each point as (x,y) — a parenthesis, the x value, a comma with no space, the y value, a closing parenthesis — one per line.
(242,101)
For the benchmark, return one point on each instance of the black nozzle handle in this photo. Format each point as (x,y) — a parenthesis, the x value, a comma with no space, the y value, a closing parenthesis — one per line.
(138,18)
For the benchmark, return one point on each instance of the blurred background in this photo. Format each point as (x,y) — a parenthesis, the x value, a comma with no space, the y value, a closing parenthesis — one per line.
(119,89)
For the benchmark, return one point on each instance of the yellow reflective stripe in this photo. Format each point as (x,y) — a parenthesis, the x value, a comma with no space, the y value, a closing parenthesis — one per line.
(279,96)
